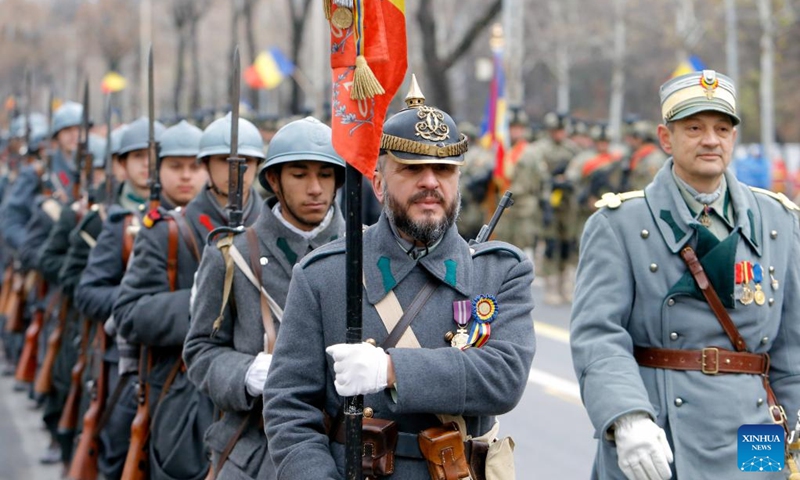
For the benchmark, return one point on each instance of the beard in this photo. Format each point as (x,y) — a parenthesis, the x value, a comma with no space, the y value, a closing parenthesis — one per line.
(426,231)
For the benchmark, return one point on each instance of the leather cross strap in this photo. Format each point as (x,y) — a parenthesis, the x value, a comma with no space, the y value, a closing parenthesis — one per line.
(696,269)
(408,316)
(172,256)
(188,237)
(255,266)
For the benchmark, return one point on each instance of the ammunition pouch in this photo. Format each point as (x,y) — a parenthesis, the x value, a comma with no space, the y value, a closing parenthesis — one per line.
(443,448)
(378,441)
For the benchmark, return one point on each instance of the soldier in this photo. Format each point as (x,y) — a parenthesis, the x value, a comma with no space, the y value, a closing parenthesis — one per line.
(474,186)
(559,203)
(229,362)
(685,315)
(646,156)
(414,244)
(600,173)
(180,414)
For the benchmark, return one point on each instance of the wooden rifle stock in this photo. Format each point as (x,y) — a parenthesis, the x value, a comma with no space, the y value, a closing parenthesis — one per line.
(44,380)
(137,462)
(5,290)
(69,416)
(28,361)
(15,306)
(84,462)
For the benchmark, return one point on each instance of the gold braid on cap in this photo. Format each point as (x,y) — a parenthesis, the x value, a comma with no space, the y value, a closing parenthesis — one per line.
(398,144)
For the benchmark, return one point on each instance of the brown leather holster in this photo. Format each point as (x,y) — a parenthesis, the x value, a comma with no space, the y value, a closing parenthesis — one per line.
(443,448)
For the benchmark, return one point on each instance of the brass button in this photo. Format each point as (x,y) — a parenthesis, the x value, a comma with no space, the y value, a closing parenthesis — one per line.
(673,336)
(678,402)
(372,342)
(653,267)
(773,234)
(448,337)
(263,261)
(671,302)
(645,234)
(368,412)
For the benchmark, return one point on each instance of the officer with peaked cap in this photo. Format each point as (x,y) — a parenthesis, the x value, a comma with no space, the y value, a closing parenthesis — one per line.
(667,378)
(228,356)
(428,370)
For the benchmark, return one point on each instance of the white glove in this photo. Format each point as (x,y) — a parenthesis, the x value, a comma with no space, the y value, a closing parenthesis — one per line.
(256,375)
(360,368)
(643,452)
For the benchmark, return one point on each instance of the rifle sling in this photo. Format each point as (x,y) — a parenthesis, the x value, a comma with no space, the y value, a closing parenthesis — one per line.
(112,403)
(409,315)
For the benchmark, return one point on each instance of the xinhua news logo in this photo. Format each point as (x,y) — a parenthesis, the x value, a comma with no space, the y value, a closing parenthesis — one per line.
(761,448)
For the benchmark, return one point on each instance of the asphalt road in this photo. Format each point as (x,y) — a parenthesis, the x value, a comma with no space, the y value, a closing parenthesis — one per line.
(553,435)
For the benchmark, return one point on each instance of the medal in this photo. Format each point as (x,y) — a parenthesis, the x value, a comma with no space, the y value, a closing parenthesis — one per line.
(342,18)
(772,280)
(747,275)
(705,218)
(462,310)
(484,308)
(758,277)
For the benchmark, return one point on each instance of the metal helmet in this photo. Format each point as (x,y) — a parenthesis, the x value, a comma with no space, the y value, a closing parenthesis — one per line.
(644,130)
(216,139)
(136,135)
(70,114)
(40,134)
(180,140)
(599,133)
(304,139)
(518,116)
(581,127)
(116,138)
(19,124)
(423,134)
(556,121)
(97,147)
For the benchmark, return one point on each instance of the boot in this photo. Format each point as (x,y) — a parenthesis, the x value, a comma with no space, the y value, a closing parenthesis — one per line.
(551,293)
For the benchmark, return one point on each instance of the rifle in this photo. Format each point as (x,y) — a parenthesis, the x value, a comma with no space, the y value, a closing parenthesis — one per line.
(21,283)
(137,462)
(108,157)
(237,165)
(82,152)
(5,289)
(69,416)
(44,380)
(27,152)
(26,367)
(47,184)
(84,462)
(487,230)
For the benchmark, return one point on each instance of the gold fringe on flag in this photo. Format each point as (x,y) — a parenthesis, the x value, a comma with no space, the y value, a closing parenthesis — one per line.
(365,84)
(326,7)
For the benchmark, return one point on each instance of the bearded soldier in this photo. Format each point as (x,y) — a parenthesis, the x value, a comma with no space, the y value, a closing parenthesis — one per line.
(685,322)
(413,246)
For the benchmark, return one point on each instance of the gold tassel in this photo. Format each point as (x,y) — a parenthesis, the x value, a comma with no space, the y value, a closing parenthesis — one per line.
(326,6)
(365,84)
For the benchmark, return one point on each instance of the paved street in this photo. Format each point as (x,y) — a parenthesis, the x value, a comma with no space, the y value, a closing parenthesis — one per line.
(550,427)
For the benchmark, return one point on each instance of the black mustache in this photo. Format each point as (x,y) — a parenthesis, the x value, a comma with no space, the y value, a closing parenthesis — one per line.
(426,194)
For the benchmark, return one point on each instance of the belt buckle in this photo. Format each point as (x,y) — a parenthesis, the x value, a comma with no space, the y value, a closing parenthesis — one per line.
(703,366)
(778,414)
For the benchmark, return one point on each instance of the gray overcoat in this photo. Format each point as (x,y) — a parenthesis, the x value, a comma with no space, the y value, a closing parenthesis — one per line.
(478,383)
(633,289)
(218,364)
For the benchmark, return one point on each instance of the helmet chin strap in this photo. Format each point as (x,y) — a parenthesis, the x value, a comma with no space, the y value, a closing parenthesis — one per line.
(212,185)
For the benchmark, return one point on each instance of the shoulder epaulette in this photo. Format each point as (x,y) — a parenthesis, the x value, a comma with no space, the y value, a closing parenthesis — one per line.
(478,249)
(336,247)
(780,197)
(614,200)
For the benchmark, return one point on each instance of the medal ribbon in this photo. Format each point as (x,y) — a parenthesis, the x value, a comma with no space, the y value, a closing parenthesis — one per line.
(479,334)
(747,272)
(462,311)
(738,275)
(758,273)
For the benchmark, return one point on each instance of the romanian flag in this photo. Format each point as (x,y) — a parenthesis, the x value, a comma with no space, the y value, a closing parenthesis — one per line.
(494,128)
(113,82)
(269,69)
(690,65)
(377,37)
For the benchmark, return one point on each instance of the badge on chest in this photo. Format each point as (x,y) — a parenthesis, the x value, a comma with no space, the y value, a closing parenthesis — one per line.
(481,312)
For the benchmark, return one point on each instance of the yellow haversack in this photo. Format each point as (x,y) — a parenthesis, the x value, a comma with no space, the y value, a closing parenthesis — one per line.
(787,204)
(614,200)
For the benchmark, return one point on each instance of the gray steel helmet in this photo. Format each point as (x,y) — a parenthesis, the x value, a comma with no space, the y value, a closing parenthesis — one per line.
(18,125)
(116,138)
(40,134)
(70,114)
(216,139)
(599,133)
(556,121)
(97,147)
(180,140)
(136,135)
(304,139)
(644,130)
(423,134)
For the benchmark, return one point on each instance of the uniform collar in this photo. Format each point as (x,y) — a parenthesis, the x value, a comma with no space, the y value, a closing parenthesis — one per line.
(386,263)
(675,220)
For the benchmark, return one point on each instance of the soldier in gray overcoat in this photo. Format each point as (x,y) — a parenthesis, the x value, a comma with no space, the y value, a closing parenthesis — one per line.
(659,376)
(414,241)
(229,362)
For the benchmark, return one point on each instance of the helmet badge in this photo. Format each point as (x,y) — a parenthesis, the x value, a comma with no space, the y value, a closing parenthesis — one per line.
(432,126)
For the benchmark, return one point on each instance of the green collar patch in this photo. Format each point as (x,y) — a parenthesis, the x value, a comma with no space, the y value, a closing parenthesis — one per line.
(389,282)
(287,250)
(450,272)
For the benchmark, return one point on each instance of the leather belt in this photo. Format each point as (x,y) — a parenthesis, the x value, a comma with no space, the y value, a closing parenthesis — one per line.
(710,360)
(407,445)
